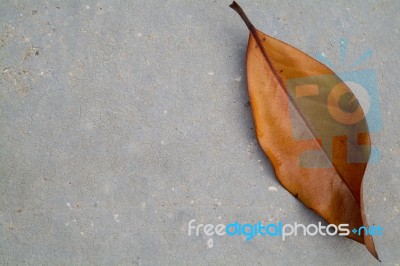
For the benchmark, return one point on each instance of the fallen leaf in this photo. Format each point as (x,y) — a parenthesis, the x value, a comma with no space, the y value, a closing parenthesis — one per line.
(312,128)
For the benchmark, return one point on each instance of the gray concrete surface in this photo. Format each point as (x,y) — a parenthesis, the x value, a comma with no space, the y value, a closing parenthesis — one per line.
(120,121)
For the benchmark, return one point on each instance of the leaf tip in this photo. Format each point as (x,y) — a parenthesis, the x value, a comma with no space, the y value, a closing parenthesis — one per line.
(376,256)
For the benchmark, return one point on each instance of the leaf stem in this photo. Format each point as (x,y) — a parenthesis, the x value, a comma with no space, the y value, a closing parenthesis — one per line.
(235,6)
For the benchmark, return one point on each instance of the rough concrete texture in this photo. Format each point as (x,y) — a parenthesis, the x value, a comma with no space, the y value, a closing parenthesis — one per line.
(120,121)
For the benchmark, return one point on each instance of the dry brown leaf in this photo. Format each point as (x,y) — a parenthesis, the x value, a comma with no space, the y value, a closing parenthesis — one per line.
(311,127)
